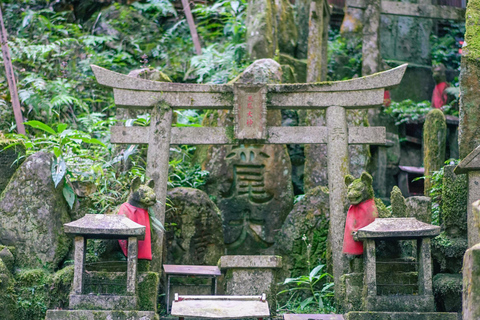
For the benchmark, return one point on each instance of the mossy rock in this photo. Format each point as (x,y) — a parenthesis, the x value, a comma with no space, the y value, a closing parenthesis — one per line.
(447,289)
(8,298)
(447,253)
(33,293)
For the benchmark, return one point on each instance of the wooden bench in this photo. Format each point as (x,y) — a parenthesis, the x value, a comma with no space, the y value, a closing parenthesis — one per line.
(220,307)
(182,271)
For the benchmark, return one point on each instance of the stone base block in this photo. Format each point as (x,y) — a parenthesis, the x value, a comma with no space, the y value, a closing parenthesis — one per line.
(100,315)
(369,315)
(407,303)
(102,302)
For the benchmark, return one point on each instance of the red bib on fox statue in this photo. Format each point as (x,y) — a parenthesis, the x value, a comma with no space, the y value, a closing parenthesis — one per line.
(139,216)
(361,213)
(136,209)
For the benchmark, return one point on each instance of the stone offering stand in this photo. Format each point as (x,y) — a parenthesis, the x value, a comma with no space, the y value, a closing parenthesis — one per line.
(91,306)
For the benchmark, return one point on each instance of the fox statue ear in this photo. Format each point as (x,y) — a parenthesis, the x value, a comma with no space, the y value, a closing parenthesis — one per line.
(349,179)
(135,183)
(366,178)
(151,183)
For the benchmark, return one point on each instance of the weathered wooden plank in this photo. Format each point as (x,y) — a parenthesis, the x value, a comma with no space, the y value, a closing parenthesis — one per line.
(367,135)
(385,79)
(121,81)
(176,100)
(183,135)
(192,270)
(416,10)
(317,100)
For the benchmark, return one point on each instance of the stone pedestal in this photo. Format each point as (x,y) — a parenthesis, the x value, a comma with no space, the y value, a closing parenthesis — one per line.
(471,165)
(252,275)
(100,315)
(471,278)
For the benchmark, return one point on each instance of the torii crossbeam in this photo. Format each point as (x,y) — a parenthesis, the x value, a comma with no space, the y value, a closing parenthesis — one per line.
(249,104)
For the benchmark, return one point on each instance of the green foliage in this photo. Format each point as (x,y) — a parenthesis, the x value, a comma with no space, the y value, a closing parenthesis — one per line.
(312,293)
(344,57)
(445,49)
(407,110)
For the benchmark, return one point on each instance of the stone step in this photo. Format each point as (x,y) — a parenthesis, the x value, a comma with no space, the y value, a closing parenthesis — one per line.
(371,315)
(100,315)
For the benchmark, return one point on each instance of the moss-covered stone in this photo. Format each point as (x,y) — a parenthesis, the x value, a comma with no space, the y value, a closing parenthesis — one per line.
(7,257)
(32,212)
(32,289)
(399,207)
(194,228)
(434,145)
(454,203)
(286,34)
(469,128)
(447,289)
(260,29)
(8,298)
(447,253)
(148,283)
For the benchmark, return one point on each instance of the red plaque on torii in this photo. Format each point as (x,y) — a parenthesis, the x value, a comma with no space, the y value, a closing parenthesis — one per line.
(250,109)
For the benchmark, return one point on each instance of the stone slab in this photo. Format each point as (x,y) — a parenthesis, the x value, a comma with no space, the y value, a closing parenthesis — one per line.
(405,228)
(275,135)
(100,315)
(220,307)
(313,317)
(470,162)
(192,270)
(105,226)
(408,303)
(415,10)
(102,302)
(368,315)
(245,262)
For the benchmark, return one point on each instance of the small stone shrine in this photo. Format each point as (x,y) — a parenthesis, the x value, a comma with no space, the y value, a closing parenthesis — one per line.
(408,292)
(471,165)
(121,305)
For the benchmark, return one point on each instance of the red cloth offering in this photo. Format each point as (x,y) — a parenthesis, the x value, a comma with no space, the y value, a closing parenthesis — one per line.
(387,100)
(139,216)
(358,216)
(439,96)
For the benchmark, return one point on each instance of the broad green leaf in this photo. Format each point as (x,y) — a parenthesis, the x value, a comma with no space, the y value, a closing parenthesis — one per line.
(59,168)
(69,194)
(57,152)
(40,125)
(306,302)
(315,270)
(61,127)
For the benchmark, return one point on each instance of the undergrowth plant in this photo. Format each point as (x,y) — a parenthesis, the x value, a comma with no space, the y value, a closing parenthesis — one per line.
(312,293)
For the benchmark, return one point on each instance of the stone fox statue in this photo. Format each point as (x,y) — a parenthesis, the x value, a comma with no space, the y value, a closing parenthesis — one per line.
(141,198)
(361,213)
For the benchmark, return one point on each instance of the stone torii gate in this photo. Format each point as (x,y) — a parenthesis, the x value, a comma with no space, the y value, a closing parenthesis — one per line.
(249,104)
(371,25)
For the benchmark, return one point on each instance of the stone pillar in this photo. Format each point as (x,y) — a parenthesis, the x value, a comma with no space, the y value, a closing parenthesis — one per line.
(434,144)
(473,195)
(471,283)
(261,29)
(132,265)
(469,127)
(157,169)
(370,267)
(454,203)
(424,258)
(371,34)
(79,260)
(338,160)
(252,275)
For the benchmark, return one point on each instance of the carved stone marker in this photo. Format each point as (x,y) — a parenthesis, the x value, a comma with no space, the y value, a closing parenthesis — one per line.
(336,97)
(471,165)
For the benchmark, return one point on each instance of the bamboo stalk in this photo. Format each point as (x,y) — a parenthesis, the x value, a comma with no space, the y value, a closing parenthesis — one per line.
(11,77)
(191,25)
